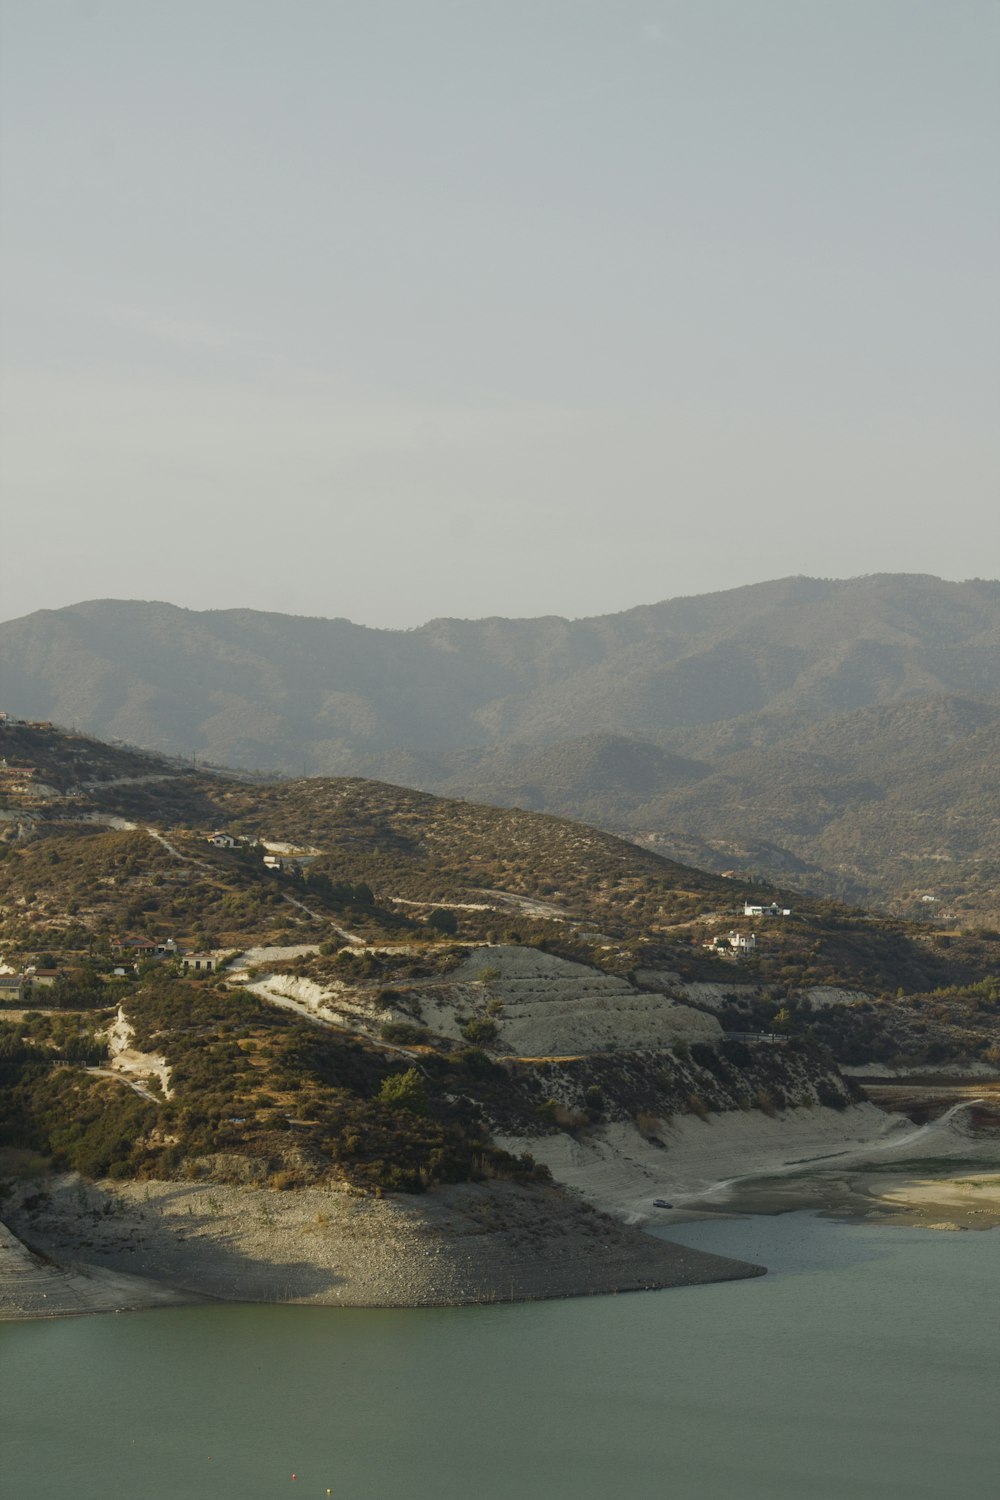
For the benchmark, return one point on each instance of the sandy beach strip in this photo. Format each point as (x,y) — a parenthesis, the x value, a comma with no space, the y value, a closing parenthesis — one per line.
(968,1201)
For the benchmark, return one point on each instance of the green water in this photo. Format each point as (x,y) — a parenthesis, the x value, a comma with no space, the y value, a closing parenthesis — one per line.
(865,1365)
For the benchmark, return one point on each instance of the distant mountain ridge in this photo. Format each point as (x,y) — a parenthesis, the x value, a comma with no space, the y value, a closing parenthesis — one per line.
(851,727)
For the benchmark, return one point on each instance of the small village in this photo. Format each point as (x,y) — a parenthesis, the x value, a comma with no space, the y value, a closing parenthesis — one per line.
(40,983)
(47,980)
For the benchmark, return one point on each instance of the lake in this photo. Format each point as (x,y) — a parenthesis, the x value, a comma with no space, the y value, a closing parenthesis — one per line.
(865,1365)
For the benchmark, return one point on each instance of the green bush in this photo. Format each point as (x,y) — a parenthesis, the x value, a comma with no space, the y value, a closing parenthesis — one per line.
(404,1033)
(404,1091)
(479,1032)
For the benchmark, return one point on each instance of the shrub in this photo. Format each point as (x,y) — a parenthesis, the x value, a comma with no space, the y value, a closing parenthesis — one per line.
(560,1117)
(477,1064)
(830,1097)
(404,1033)
(284,1180)
(479,1032)
(404,1091)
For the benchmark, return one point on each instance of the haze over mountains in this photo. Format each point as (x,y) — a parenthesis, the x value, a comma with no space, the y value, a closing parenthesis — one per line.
(845,734)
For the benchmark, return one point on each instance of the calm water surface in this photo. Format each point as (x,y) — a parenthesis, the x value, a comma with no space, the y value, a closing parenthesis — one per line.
(865,1365)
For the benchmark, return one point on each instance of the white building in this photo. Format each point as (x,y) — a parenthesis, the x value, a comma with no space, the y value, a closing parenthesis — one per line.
(735,942)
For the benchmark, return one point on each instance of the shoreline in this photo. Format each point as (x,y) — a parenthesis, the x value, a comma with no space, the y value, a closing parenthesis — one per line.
(967,1202)
(117,1246)
(970,1201)
(73,1247)
(695,1161)
(859,1163)
(34,1287)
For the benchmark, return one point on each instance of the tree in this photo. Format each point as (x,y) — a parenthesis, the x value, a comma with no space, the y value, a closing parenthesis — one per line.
(404,1091)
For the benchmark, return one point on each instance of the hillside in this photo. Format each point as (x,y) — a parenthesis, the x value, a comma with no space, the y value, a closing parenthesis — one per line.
(111,838)
(101,843)
(771,728)
(892,803)
(340,986)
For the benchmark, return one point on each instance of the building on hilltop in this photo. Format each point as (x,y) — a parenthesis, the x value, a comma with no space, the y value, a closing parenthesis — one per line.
(759,909)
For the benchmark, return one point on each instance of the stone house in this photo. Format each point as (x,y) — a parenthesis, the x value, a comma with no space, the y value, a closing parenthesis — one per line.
(199,963)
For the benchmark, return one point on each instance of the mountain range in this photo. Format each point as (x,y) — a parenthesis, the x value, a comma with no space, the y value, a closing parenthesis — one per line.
(838,735)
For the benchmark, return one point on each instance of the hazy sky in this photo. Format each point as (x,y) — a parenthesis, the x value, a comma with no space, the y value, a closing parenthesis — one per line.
(401,308)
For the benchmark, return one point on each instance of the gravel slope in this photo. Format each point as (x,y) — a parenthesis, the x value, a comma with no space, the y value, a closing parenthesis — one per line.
(470,1243)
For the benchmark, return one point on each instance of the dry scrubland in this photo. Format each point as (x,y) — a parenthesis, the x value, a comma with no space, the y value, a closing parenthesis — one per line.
(429,1012)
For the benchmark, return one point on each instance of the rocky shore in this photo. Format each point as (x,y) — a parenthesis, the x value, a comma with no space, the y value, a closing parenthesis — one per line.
(125,1245)
(33,1286)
